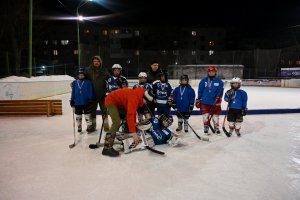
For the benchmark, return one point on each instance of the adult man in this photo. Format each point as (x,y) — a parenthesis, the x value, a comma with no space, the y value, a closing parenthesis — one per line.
(154,72)
(123,100)
(210,92)
(98,76)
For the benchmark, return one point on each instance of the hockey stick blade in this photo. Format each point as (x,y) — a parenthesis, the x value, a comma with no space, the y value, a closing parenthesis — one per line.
(226,132)
(93,146)
(155,151)
(72,145)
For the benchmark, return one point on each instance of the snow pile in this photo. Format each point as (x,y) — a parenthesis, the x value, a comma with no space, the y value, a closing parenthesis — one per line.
(37,78)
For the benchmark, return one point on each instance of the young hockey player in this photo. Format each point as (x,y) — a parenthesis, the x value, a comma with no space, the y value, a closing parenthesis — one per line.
(128,101)
(81,98)
(210,92)
(143,84)
(183,101)
(162,90)
(237,99)
(116,81)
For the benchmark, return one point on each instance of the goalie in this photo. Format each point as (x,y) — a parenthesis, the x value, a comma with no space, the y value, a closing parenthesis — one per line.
(155,131)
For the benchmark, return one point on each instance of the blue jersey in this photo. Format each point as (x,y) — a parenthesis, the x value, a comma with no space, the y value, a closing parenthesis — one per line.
(146,86)
(82,92)
(162,91)
(159,134)
(209,89)
(238,100)
(183,97)
(114,82)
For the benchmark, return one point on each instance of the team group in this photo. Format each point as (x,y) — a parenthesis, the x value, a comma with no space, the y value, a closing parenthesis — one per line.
(153,95)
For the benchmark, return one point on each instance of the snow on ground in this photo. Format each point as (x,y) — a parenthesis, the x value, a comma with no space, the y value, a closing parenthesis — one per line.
(36,162)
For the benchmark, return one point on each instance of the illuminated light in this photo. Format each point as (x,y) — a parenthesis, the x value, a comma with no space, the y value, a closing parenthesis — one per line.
(80,18)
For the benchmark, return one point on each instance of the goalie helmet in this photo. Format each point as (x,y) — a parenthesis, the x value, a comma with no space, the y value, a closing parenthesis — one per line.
(165,120)
(236,80)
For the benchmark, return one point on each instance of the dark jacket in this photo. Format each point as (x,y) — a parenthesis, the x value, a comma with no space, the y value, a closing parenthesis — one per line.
(98,78)
(153,76)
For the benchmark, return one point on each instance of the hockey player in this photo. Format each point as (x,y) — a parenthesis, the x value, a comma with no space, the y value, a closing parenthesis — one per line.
(116,81)
(210,92)
(143,84)
(128,100)
(162,90)
(183,101)
(237,99)
(81,98)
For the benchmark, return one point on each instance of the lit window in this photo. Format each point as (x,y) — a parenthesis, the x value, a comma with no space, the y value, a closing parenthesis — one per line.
(87,31)
(193,52)
(194,33)
(211,43)
(137,33)
(176,62)
(104,32)
(128,61)
(297,62)
(290,62)
(210,52)
(64,42)
(75,52)
(137,52)
(55,52)
(116,31)
(46,42)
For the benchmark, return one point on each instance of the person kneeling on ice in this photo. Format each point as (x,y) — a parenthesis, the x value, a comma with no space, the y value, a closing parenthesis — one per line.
(237,103)
(82,99)
(155,131)
(128,100)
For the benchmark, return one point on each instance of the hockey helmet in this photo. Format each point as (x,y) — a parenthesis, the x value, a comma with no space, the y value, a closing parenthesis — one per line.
(184,77)
(236,80)
(81,70)
(212,68)
(122,82)
(165,120)
(142,75)
(116,66)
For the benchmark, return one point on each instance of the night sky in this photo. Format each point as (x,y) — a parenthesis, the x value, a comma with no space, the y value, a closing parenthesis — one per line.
(248,15)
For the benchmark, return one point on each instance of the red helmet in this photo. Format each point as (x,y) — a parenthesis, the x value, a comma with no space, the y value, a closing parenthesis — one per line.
(212,68)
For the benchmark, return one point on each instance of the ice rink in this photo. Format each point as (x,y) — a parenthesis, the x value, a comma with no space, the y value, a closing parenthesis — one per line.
(264,164)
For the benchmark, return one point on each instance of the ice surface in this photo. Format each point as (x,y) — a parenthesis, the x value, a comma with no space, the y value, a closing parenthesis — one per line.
(36,162)
(37,78)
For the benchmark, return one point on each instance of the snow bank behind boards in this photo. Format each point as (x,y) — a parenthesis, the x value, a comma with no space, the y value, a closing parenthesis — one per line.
(21,88)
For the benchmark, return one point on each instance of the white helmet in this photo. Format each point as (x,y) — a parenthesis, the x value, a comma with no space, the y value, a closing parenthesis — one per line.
(236,80)
(142,74)
(116,66)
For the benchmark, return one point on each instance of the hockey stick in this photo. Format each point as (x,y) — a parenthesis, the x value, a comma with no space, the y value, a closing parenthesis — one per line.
(97,145)
(73,145)
(200,138)
(223,125)
(210,117)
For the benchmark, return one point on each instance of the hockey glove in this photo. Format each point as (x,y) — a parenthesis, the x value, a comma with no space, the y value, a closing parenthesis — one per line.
(198,103)
(218,101)
(244,111)
(72,103)
(230,92)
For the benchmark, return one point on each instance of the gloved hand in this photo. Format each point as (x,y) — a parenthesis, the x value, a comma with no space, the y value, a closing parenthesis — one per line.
(72,103)
(191,107)
(198,103)
(244,111)
(230,92)
(218,101)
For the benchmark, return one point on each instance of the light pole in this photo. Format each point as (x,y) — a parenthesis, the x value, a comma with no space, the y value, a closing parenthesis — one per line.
(79,18)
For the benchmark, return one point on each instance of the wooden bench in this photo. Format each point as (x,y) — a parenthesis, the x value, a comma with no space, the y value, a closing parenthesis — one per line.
(31,107)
